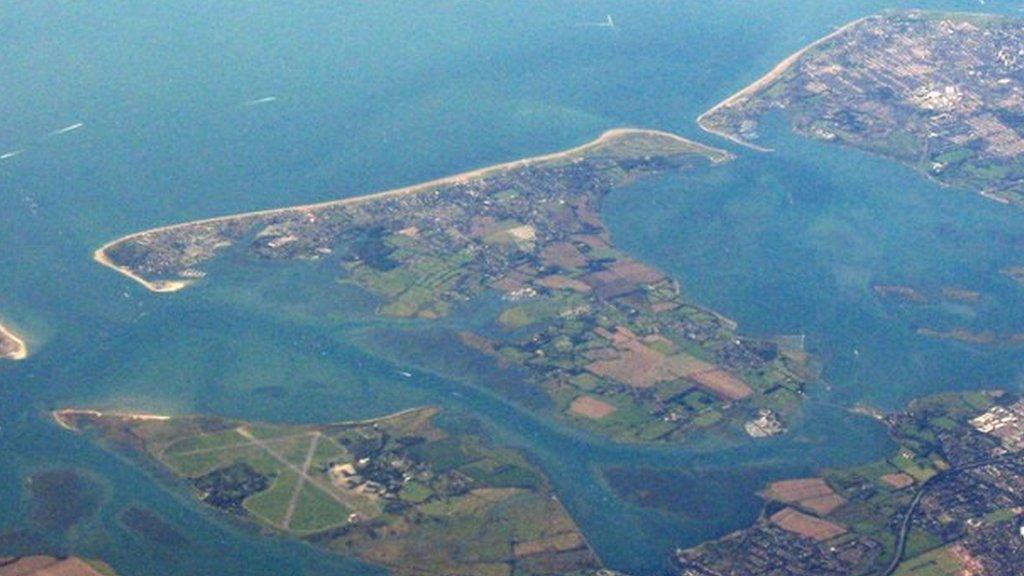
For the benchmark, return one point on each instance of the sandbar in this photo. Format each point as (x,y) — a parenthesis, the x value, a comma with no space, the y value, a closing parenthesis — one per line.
(20,351)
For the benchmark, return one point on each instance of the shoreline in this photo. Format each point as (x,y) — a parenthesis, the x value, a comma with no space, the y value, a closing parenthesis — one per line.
(158,286)
(765,81)
(60,416)
(21,349)
(715,156)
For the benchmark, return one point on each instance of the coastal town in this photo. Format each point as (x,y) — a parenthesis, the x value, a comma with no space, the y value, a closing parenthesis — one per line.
(939,92)
(398,491)
(948,501)
(611,341)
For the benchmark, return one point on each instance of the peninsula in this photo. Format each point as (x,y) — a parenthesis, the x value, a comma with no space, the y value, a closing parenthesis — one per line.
(948,502)
(939,92)
(398,491)
(11,346)
(146,257)
(608,339)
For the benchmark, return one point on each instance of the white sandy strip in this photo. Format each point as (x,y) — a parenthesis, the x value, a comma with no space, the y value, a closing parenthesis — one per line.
(715,155)
(764,82)
(153,286)
(20,348)
(61,416)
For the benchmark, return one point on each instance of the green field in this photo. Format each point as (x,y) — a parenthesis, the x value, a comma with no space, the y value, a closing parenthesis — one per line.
(300,497)
(270,506)
(938,562)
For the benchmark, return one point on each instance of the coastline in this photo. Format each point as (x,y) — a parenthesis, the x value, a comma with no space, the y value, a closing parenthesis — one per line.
(715,156)
(60,416)
(765,81)
(159,286)
(21,349)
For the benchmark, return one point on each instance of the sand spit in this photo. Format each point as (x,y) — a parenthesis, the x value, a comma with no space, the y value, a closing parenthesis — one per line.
(715,155)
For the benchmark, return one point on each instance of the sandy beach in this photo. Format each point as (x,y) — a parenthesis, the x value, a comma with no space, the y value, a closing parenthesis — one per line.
(61,416)
(20,350)
(165,286)
(155,286)
(765,81)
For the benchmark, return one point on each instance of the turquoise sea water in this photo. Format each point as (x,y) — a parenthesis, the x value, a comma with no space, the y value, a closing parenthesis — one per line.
(376,95)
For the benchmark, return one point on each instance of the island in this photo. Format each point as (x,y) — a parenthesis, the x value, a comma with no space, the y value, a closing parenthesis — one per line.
(51,566)
(939,92)
(912,295)
(1015,273)
(977,338)
(11,346)
(609,340)
(399,491)
(948,501)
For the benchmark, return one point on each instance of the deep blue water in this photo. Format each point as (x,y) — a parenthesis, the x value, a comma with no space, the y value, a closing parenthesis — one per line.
(379,94)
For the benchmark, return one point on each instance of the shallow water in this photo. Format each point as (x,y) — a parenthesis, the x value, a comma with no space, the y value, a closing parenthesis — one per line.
(387,94)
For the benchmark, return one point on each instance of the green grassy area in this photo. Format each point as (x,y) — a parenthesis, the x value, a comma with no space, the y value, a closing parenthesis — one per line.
(920,542)
(921,471)
(265,431)
(504,473)
(291,447)
(192,465)
(416,285)
(315,511)
(327,451)
(446,454)
(270,506)
(538,310)
(1000,516)
(205,442)
(416,493)
(938,562)
(282,448)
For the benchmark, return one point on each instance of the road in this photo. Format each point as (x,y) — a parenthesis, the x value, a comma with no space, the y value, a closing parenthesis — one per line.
(901,542)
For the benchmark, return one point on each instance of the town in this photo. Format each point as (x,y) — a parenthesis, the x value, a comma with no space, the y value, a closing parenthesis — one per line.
(939,92)
(949,501)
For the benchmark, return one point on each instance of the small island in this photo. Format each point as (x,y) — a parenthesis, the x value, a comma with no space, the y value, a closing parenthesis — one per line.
(949,501)
(398,491)
(611,341)
(1015,273)
(940,92)
(12,347)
